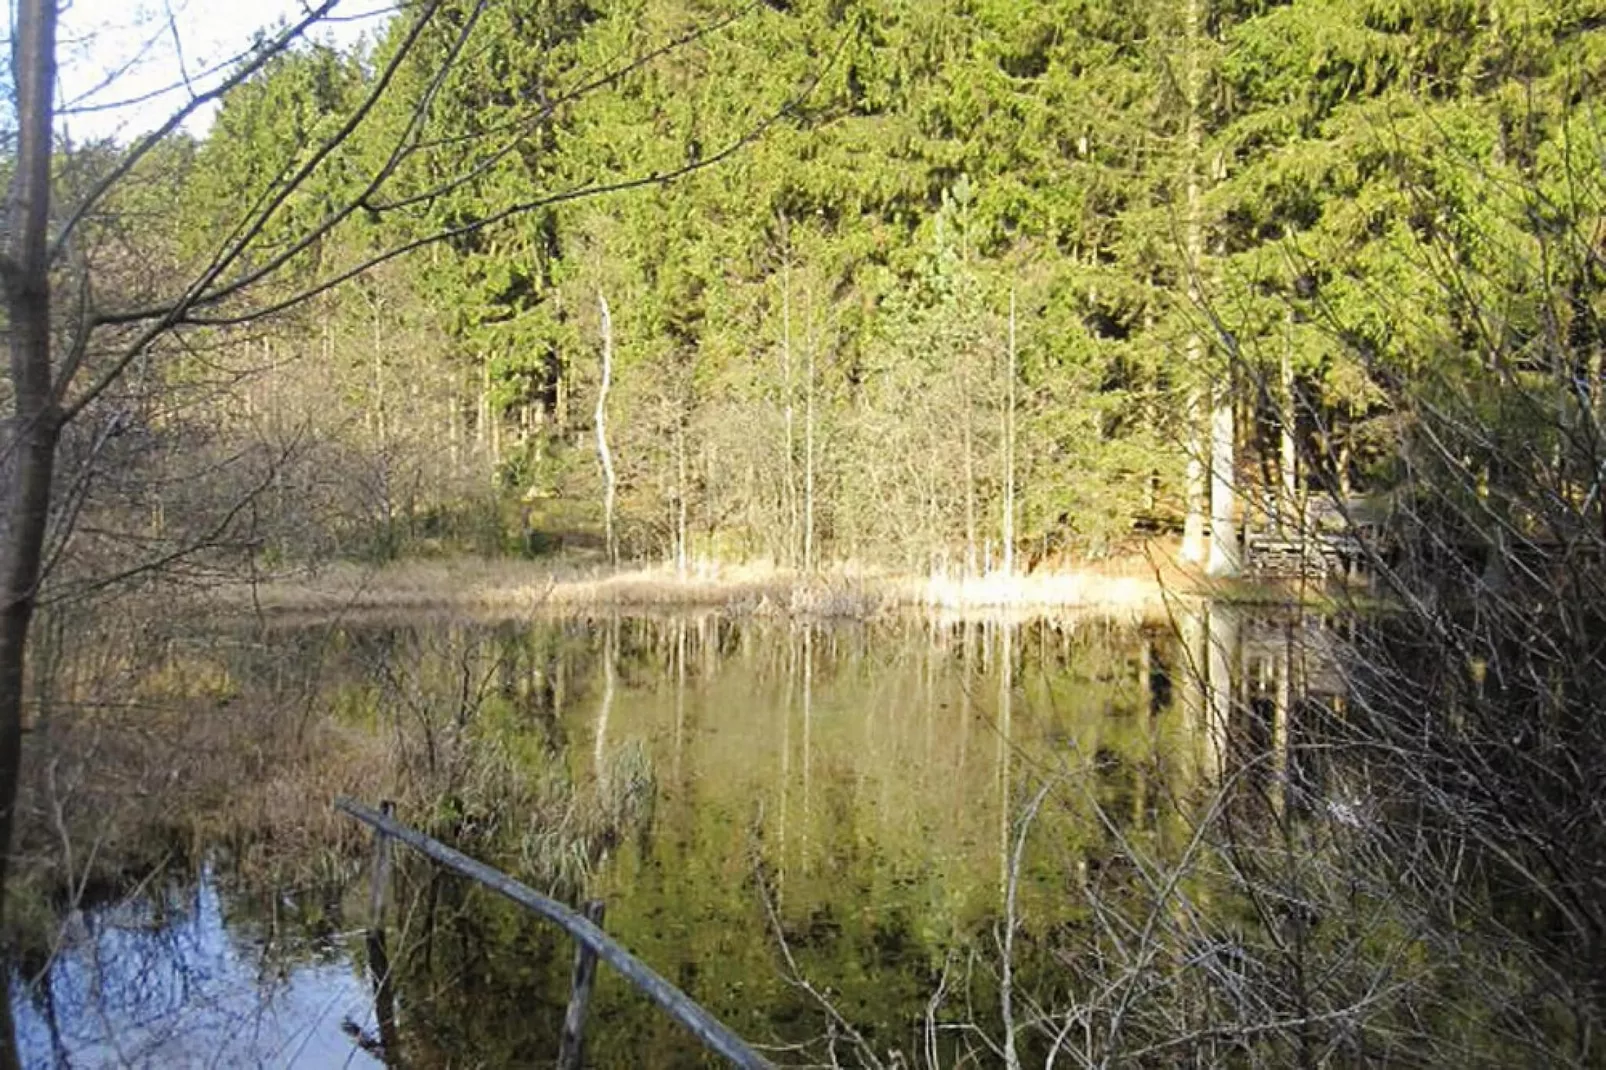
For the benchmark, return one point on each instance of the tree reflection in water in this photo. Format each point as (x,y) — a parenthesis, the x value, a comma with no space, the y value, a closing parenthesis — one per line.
(185,978)
(1212,870)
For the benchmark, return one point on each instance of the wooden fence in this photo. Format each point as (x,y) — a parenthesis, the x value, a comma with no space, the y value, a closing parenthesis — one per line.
(592,942)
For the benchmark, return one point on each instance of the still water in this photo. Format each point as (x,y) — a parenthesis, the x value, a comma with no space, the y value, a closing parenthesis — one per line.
(824,842)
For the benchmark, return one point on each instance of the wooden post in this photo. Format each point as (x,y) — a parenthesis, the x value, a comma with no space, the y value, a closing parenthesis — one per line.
(378,959)
(381,872)
(713,1033)
(571,1050)
(384,997)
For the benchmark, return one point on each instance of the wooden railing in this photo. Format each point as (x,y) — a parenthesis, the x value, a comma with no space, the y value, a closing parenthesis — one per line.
(592,941)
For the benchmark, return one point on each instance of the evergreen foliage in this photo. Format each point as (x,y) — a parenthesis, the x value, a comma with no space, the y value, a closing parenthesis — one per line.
(821,315)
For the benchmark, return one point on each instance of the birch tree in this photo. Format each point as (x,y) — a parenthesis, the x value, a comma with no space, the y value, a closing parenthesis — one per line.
(604,455)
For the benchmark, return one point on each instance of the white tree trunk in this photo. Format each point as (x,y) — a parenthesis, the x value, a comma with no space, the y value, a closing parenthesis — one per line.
(1008,533)
(1196,482)
(608,479)
(808,466)
(1224,559)
(1288,460)
(789,398)
(482,422)
(680,493)
(970,473)
(1196,488)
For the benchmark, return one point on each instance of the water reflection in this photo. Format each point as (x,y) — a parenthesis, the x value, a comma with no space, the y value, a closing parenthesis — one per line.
(853,789)
(176,981)
(1258,689)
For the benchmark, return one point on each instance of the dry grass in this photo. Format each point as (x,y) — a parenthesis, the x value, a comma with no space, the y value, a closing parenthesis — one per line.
(1036,593)
(477,585)
(154,755)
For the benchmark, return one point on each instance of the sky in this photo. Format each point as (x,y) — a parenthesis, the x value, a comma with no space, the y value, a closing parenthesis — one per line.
(124,64)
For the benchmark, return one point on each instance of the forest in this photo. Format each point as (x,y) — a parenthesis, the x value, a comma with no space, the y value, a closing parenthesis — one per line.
(921,286)
(970,289)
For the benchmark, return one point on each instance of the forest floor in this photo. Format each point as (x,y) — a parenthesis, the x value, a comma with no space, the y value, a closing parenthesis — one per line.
(1139,584)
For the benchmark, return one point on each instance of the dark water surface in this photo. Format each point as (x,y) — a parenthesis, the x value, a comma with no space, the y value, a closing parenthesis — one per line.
(831,804)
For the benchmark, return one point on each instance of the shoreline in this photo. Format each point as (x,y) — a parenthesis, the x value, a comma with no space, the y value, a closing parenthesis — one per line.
(523,587)
(1133,587)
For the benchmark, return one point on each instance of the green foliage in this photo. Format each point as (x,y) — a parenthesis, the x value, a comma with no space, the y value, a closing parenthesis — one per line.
(1387,191)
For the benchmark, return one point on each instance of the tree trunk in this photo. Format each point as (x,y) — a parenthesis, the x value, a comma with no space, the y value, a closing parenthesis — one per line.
(482,412)
(387,503)
(454,430)
(494,419)
(1341,426)
(970,475)
(1224,558)
(1197,486)
(30,442)
(808,465)
(786,388)
(381,432)
(680,493)
(1008,533)
(603,455)
(1288,511)
(560,413)
(1195,481)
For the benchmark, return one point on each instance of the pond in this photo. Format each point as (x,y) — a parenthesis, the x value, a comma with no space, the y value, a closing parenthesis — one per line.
(835,836)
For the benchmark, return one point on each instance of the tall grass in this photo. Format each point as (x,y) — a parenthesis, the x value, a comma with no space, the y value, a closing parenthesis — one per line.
(843,592)
(169,749)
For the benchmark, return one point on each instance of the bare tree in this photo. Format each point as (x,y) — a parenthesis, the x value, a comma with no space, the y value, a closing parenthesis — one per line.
(29,447)
(68,357)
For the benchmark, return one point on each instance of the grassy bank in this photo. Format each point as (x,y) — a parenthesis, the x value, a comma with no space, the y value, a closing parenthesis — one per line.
(504,586)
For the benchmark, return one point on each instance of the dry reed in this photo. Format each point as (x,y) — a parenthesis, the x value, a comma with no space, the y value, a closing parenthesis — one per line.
(846,592)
